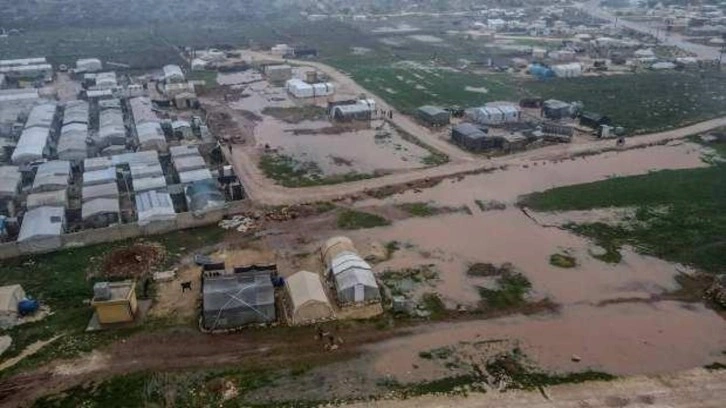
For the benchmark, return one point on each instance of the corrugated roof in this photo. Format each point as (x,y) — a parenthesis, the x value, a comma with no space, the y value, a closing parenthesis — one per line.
(97,163)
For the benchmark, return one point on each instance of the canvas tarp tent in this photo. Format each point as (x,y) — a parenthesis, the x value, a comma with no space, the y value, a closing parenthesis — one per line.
(308,301)
(10,296)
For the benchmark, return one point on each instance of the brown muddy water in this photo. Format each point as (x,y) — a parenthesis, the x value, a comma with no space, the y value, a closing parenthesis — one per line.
(357,150)
(630,338)
(530,176)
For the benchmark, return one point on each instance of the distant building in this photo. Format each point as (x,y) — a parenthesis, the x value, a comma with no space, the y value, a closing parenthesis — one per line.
(472,137)
(433,115)
(594,120)
(554,109)
(88,65)
(278,74)
(173,74)
(27,68)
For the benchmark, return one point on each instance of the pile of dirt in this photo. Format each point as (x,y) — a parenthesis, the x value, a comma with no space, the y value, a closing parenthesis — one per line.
(133,261)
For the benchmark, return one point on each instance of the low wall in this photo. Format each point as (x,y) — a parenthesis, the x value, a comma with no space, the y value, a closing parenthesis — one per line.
(126,231)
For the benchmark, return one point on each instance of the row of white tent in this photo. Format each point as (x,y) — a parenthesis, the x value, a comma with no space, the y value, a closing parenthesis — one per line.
(495,114)
(301,89)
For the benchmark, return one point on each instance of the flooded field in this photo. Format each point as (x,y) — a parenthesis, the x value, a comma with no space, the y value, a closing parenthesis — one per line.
(542,174)
(336,148)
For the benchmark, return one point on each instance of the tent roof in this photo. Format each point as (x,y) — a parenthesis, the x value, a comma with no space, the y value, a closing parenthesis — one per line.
(154,205)
(47,198)
(195,175)
(31,145)
(101,176)
(108,190)
(346,260)
(100,206)
(305,287)
(190,162)
(9,295)
(9,180)
(148,183)
(42,222)
(183,150)
(354,276)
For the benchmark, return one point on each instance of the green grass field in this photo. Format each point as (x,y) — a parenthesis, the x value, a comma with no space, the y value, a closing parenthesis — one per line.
(60,281)
(680,217)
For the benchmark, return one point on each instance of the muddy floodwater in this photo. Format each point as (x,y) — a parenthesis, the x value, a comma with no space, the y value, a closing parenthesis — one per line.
(620,336)
(531,176)
(630,338)
(335,149)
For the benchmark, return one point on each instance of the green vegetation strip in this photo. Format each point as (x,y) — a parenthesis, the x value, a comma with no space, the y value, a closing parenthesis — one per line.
(680,216)
(296,114)
(353,220)
(59,280)
(290,172)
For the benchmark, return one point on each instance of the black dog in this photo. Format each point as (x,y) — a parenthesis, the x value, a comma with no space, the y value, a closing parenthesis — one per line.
(186,285)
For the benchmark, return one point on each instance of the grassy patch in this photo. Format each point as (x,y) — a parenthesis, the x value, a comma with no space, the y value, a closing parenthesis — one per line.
(353,220)
(715,366)
(419,209)
(296,114)
(563,261)
(59,280)
(681,214)
(481,269)
(490,205)
(513,287)
(209,77)
(391,248)
(290,172)
(433,303)
(435,159)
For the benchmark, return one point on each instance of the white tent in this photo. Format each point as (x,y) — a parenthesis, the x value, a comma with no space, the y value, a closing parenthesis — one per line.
(109,190)
(31,145)
(10,296)
(51,176)
(188,163)
(72,142)
(102,176)
(41,116)
(151,136)
(42,228)
(354,280)
(183,150)
(57,198)
(195,175)
(308,302)
(153,206)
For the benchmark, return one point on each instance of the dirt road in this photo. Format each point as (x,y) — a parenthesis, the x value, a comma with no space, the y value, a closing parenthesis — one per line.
(693,388)
(263,190)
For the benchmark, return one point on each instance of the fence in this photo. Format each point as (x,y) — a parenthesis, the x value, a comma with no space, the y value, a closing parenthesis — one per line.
(124,231)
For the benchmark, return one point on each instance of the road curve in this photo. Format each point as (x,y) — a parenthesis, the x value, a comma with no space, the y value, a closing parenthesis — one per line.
(262,190)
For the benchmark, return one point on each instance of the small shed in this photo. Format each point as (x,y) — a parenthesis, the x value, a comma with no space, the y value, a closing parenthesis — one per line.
(154,206)
(241,299)
(308,301)
(472,137)
(433,115)
(115,302)
(100,212)
(10,296)
(555,109)
(594,120)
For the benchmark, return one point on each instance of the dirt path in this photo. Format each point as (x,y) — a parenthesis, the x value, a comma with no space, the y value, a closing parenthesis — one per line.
(29,351)
(263,190)
(693,388)
(180,349)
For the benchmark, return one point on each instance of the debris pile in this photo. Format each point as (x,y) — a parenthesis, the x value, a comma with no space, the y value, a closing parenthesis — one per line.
(239,222)
(133,261)
(717,291)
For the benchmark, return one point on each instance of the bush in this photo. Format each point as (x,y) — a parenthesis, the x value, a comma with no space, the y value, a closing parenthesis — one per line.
(353,220)
(562,261)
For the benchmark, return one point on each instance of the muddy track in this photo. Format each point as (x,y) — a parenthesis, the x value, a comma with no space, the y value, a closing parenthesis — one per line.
(183,349)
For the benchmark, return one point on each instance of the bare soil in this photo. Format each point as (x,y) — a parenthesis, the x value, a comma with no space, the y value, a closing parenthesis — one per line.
(133,261)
